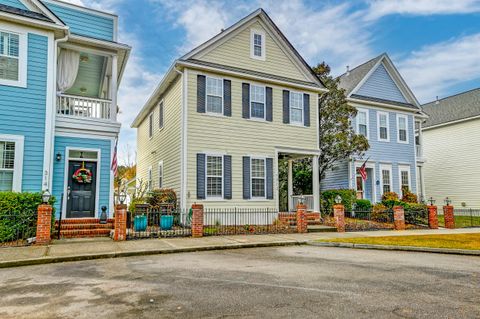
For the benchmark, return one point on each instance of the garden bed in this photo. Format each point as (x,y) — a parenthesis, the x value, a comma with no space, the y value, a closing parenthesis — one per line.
(355,224)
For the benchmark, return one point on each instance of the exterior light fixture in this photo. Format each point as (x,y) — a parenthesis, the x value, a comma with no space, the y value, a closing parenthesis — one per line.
(431,200)
(301,200)
(122,196)
(447,201)
(46,196)
(59,157)
(338,199)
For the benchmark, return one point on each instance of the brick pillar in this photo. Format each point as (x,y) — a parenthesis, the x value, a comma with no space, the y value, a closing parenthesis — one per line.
(432,217)
(449,217)
(399,217)
(120,232)
(302,226)
(339,216)
(197,220)
(44,224)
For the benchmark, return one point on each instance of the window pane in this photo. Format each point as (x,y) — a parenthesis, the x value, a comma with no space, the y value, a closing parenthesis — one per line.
(296,100)
(7,155)
(258,167)
(405,181)
(296,115)
(257,93)
(383,133)
(258,110)
(82,154)
(403,135)
(402,124)
(8,68)
(258,187)
(13,45)
(6,181)
(386,180)
(214,104)
(383,120)
(214,165)
(214,186)
(214,87)
(258,177)
(362,118)
(257,39)
(362,128)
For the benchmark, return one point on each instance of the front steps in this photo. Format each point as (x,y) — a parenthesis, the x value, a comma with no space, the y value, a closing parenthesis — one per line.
(83,227)
(313,221)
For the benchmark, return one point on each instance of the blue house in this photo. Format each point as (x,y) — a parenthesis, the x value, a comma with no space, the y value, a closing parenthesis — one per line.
(388,116)
(60,67)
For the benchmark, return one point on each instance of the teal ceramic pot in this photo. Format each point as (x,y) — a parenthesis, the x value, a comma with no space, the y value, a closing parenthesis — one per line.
(140,223)
(166,222)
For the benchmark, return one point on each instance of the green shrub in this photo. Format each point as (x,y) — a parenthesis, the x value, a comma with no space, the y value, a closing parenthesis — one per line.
(409,197)
(393,202)
(135,201)
(159,197)
(363,205)
(416,213)
(328,199)
(389,196)
(380,213)
(18,214)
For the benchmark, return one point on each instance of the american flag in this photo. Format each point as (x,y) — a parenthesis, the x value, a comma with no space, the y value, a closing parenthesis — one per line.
(363,171)
(114,166)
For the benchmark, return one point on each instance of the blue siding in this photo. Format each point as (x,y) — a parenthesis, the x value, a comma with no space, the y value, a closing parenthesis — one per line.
(336,178)
(84,23)
(23,111)
(14,3)
(380,85)
(61,144)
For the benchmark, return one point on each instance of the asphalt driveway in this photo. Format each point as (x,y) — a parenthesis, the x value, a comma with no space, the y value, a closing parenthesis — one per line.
(285,282)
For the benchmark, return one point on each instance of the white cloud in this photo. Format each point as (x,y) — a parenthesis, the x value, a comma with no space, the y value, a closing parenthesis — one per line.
(380,8)
(433,69)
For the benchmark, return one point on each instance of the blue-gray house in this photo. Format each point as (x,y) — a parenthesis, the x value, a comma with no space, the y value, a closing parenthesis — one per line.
(60,67)
(388,115)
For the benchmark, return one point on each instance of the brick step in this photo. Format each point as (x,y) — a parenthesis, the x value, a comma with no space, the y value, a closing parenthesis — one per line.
(78,233)
(86,226)
(83,221)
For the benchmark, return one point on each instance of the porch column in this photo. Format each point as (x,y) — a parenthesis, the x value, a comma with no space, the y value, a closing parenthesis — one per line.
(290,185)
(316,184)
(113,89)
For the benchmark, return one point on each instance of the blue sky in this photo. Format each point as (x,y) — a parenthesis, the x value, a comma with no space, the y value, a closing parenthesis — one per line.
(435,44)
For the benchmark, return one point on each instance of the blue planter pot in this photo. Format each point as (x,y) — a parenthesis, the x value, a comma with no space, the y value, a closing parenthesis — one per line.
(140,223)
(166,222)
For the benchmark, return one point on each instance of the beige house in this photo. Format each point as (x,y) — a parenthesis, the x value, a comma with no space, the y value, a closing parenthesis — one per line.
(451,142)
(225,114)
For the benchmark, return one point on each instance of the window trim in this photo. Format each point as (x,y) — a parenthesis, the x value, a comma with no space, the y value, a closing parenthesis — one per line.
(264,103)
(253,32)
(384,167)
(222,96)
(404,168)
(221,197)
(160,169)
(150,126)
(161,110)
(264,178)
(302,123)
(22,57)
(380,113)
(18,161)
(407,141)
(149,179)
(357,123)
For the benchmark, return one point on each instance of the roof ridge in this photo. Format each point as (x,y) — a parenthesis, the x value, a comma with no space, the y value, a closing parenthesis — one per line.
(360,65)
(451,96)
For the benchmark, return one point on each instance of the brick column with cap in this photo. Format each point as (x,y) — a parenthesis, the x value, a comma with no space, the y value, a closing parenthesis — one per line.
(44,224)
(197,220)
(432,217)
(339,216)
(399,217)
(120,232)
(302,226)
(449,217)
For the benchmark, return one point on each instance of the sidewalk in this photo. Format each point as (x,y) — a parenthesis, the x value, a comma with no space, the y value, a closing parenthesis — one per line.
(83,249)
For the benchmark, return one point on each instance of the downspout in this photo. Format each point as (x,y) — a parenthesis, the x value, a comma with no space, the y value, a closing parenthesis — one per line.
(183,144)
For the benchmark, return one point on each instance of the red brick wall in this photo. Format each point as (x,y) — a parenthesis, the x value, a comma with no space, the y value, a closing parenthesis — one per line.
(339,216)
(302,226)
(449,217)
(197,220)
(44,224)
(399,218)
(432,217)
(120,222)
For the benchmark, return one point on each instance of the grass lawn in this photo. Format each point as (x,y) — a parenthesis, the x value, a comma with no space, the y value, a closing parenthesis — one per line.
(456,241)
(461,221)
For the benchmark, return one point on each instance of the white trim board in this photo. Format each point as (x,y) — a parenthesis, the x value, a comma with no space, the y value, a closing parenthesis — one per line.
(18,160)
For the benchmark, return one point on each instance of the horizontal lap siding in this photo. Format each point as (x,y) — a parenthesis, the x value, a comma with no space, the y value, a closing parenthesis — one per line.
(165,144)
(23,111)
(381,85)
(83,23)
(61,143)
(236,53)
(452,166)
(14,3)
(336,178)
(240,137)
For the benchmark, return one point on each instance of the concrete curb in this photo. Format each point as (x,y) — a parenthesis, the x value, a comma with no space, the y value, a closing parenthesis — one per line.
(60,259)
(398,248)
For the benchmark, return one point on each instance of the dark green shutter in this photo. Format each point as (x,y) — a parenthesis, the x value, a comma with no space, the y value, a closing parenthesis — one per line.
(269,167)
(306,109)
(227,177)
(246,177)
(201,93)
(227,98)
(201,176)
(286,106)
(269,104)
(245,100)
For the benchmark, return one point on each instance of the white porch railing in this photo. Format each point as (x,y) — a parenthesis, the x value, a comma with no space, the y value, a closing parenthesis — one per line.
(419,150)
(307,200)
(84,107)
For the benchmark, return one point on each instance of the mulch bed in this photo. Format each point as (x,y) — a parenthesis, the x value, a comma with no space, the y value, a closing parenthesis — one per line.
(354,224)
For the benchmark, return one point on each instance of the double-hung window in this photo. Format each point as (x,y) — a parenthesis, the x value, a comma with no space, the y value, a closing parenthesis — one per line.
(257,102)
(386,173)
(11,162)
(258,177)
(160,174)
(12,58)
(150,125)
(362,122)
(257,50)
(214,176)
(404,179)
(402,125)
(383,126)
(214,95)
(296,108)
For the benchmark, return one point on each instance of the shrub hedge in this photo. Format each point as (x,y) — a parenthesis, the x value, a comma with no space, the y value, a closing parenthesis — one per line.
(328,199)
(363,205)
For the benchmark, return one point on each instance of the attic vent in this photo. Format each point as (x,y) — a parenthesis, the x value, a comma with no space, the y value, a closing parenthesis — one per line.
(348,70)
(437,101)
(222,29)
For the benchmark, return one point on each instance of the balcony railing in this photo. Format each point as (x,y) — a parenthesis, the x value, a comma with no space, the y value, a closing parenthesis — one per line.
(307,200)
(83,107)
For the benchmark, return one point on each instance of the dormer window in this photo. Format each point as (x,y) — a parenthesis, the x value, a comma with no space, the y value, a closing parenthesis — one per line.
(257,50)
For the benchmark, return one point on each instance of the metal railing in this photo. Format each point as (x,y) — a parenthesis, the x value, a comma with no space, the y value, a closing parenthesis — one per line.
(158,223)
(307,200)
(17,229)
(83,107)
(464,217)
(361,220)
(416,216)
(236,221)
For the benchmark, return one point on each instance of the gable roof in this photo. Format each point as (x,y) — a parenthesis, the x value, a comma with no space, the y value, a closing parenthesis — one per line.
(462,106)
(25,13)
(353,81)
